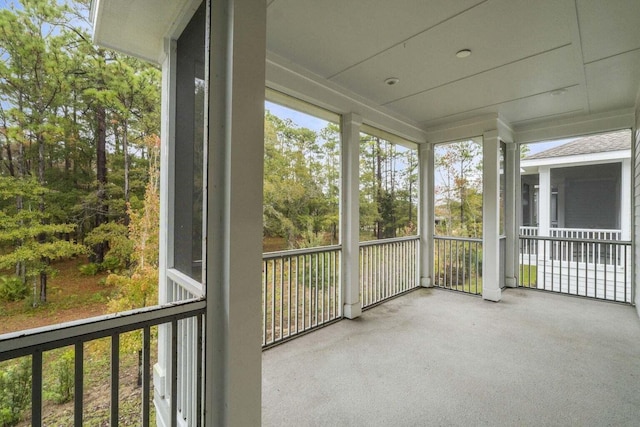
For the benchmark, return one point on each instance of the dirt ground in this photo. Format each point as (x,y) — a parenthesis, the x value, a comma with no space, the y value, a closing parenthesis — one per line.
(70,296)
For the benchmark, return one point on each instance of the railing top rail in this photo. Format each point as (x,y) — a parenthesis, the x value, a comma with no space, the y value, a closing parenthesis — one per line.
(389,240)
(22,343)
(576,240)
(303,251)
(588,230)
(460,239)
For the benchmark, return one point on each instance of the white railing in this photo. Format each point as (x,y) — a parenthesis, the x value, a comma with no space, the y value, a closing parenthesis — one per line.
(578,245)
(388,267)
(592,268)
(583,233)
(33,343)
(179,287)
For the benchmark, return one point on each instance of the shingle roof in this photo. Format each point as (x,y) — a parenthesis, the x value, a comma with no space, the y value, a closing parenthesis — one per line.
(601,143)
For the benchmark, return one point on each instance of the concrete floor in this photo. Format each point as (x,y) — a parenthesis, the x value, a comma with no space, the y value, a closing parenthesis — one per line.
(439,358)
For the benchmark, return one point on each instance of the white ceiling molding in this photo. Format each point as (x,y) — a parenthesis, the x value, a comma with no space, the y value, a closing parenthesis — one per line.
(575,126)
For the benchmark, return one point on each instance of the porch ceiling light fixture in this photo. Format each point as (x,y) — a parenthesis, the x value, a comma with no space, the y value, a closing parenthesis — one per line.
(391,81)
(464,53)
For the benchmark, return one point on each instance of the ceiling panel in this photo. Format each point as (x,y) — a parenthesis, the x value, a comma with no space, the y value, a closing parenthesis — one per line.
(328,36)
(522,50)
(428,60)
(521,79)
(532,108)
(608,27)
(613,83)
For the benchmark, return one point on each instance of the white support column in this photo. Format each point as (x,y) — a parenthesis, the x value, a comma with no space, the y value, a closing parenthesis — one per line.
(426,221)
(350,215)
(233,362)
(625,199)
(511,204)
(491,217)
(544,200)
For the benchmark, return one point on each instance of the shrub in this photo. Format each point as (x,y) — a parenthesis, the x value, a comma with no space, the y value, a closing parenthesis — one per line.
(61,390)
(90,269)
(15,390)
(12,288)
(110,263)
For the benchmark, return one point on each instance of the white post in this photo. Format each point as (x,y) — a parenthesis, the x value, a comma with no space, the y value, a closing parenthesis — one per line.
(426,221)
(350,215)
(625,199)
(544,214)
(511,205)
(491,217)
(544,200)
(233,358)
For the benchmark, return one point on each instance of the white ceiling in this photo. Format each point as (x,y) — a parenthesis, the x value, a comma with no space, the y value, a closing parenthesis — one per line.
(521,51)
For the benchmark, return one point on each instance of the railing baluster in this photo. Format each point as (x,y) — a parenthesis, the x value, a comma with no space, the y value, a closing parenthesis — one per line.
(174,377)
(281,288)
(79,383)
(115,378)
(273,301)
(265,286)
(146,369)
(199,370)
(289,282)
(36,388)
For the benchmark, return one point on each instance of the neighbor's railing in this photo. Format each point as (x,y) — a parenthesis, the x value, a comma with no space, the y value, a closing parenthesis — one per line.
(300,291)
(388,268)
(586,233)
(586,267)
(458,264)
(32,343)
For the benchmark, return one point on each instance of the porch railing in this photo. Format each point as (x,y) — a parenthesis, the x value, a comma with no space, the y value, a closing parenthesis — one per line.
(300,291)
(388,268)
(586,267)
(33,343)
(458,264)
(586,233)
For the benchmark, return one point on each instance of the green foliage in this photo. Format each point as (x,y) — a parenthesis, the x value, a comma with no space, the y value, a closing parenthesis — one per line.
(12,288)
(459,189)
(60,95)
(62,368)
(116,236)
(15,390)
(388,188)
(90,269)
(35,241)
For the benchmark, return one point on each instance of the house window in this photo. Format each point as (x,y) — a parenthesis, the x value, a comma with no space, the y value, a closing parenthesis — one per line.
(189,148)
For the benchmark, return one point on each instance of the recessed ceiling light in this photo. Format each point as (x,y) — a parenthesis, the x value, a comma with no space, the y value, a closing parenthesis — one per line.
(392,81)
(558,92)
(463,53)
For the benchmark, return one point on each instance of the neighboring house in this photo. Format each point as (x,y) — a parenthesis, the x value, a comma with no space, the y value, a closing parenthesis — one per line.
(579,189)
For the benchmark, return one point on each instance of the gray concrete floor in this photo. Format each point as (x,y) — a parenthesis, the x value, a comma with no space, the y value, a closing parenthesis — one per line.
(439,358)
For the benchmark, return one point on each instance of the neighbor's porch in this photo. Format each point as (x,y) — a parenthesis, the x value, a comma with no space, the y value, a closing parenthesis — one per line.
(442,358)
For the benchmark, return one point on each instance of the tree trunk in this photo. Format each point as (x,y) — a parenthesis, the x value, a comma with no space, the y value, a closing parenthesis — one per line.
(125,152)
(101,172)
(42,237)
